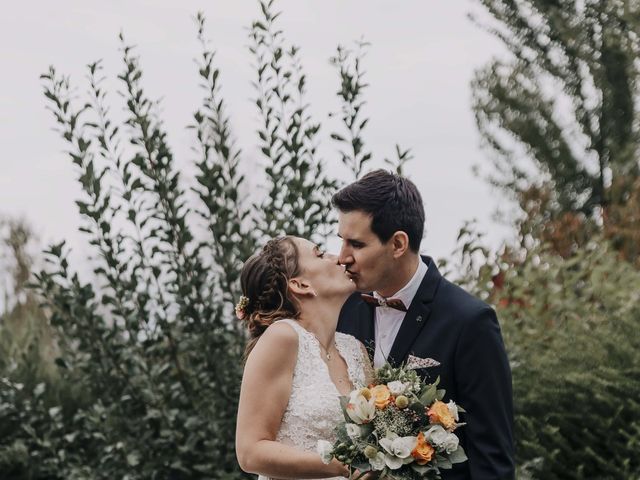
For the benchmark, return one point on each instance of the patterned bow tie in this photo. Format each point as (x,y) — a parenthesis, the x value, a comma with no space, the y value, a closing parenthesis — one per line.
(395,303)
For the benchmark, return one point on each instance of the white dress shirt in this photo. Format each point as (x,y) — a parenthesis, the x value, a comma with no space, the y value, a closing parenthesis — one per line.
(388,320)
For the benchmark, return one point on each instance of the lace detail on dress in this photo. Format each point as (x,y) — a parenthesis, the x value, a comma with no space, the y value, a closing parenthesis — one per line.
(314,408)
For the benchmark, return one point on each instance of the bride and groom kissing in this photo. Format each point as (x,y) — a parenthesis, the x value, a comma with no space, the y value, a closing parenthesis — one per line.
(319,323)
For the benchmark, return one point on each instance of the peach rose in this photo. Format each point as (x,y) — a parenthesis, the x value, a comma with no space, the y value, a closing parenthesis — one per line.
(381,395)
(440,413)
(423,451)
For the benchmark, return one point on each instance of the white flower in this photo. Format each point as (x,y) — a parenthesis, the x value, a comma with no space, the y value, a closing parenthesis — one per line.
(392,462)
(359,409)
(453,408)
(450,445)
(396,387)
(324,448)
(378,463)
(442,439)
(353,431)
(398,446)
(436,435)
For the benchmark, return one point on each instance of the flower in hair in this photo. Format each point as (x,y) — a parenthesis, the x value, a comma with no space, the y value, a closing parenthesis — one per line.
(241,307)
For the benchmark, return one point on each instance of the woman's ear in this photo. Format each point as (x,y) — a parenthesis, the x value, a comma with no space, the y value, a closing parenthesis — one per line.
(400,243)
(301,288)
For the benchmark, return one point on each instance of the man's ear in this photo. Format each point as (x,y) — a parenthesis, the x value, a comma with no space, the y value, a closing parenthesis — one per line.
(301,287)
(399,243)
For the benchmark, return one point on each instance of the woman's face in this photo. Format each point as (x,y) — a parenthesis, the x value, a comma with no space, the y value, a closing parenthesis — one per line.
(321,270)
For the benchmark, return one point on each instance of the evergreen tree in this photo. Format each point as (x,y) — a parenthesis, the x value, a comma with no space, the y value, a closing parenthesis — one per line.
(150,355)
(565,104)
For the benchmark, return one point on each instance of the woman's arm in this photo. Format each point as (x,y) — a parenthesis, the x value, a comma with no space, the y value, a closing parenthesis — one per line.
(264,395)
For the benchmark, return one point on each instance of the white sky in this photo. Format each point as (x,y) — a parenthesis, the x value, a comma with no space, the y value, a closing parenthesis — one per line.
(419,66)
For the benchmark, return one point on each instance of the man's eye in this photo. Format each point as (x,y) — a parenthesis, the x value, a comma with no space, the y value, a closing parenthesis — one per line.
(321,253)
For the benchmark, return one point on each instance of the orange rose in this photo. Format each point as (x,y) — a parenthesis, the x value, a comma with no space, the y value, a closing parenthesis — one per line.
(440,413)
(423,451)
(381,395)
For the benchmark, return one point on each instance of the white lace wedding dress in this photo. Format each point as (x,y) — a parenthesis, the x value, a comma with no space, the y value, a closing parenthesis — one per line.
(314,406)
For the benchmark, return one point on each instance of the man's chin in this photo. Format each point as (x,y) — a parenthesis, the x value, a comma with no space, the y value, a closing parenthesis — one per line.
(360,287)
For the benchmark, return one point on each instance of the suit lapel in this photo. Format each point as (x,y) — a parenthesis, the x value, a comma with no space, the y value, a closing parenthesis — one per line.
(417,315)
(366,327)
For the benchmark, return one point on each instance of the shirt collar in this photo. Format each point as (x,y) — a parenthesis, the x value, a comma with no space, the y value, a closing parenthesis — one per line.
(409,291)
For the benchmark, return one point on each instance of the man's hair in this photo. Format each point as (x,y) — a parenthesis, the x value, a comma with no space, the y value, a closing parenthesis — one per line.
(393,202)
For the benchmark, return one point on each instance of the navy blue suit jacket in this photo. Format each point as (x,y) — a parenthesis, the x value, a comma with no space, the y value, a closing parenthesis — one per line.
(462,333)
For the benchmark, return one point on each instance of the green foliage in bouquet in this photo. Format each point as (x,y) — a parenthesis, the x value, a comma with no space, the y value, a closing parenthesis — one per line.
(397,427)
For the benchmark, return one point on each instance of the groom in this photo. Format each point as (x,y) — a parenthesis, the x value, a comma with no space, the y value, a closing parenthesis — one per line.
(381,222)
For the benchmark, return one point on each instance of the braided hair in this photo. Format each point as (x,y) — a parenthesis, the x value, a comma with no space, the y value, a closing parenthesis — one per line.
(265,282)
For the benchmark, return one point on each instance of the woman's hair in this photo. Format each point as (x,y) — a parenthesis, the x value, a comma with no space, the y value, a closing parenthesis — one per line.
(265,282)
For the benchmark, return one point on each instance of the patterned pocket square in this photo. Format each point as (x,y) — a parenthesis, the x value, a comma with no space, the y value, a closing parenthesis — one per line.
(415,363)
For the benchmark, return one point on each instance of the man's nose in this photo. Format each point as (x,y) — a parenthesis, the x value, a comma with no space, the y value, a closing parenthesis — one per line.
(345,257)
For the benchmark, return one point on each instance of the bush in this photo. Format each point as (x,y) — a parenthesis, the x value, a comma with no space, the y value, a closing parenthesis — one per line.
(149,353)
(569,321)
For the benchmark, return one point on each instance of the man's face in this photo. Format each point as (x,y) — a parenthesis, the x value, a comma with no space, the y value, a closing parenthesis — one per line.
(367,260)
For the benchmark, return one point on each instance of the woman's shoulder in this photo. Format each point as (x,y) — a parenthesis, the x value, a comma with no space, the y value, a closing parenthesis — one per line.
(278,342)
(281,332)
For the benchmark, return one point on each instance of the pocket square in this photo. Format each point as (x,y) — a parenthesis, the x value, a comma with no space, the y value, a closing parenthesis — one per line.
(414,363)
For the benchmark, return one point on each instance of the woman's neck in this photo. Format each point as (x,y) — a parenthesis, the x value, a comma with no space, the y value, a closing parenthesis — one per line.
(320,317)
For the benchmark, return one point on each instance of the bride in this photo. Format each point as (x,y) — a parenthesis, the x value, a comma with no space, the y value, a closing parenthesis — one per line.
(297,365)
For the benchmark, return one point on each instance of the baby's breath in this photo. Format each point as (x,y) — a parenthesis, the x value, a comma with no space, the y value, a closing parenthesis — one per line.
(392,420)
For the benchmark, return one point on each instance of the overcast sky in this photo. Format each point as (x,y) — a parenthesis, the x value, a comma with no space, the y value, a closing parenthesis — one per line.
(420,64)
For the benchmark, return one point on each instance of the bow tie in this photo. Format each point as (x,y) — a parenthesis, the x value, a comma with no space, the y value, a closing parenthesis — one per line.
(395,303)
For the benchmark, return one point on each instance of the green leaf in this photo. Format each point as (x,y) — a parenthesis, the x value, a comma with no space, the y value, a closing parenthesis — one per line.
(429,395)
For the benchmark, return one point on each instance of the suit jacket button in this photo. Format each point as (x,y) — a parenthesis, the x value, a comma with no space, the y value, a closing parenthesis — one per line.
(419,318)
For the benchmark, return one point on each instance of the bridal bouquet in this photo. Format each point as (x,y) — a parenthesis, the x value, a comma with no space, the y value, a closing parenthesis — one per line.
(398,427)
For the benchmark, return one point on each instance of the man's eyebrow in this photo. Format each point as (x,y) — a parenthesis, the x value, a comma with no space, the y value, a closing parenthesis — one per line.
(350,240)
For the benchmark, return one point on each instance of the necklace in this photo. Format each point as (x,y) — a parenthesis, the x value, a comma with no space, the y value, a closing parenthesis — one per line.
(326,350)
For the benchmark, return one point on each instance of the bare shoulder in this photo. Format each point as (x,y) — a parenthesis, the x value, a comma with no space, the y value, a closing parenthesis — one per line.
(280,333)
(279,343)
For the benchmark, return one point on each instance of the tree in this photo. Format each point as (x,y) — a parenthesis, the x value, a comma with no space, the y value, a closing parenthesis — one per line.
(567,321)
(150,353)
(565,104)
(27,342)
(299,192)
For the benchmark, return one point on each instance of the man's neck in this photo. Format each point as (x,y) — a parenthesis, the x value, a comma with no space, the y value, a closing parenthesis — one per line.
(403,274)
